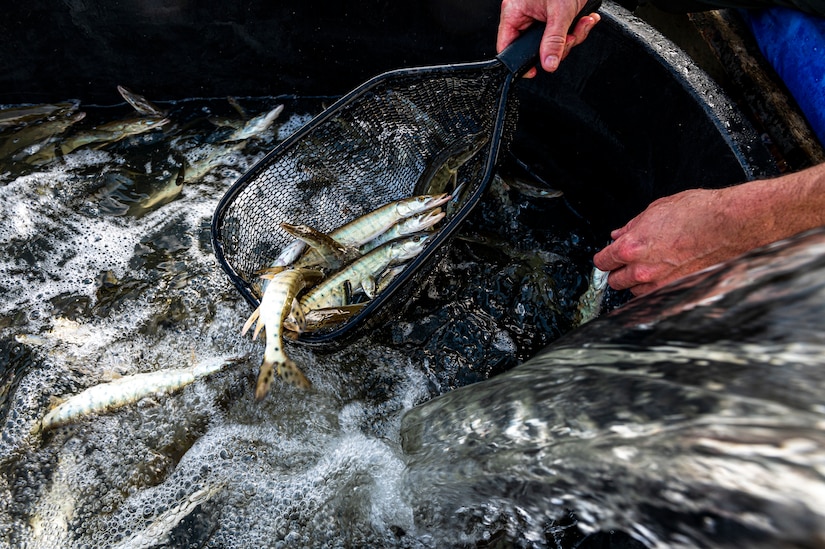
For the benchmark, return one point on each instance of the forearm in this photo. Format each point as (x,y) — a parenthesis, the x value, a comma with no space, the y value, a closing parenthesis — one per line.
(772,209)
(682,233)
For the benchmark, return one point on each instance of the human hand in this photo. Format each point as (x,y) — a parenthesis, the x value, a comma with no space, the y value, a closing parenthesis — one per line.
(675,236)
(517,15)
(688,231)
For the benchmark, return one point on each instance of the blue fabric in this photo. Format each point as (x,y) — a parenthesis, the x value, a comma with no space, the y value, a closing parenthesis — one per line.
(794,44)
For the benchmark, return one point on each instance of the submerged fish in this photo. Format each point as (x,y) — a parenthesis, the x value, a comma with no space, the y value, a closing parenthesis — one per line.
(31,139)
(441,173)
(197,168)
(528,188)
(132,193)
(159,530)
(256,126)
(141,104)
(104,134)
(117,393)
(279,300)
(14,116)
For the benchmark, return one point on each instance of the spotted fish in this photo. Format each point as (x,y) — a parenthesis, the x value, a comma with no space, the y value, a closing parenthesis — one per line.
(278,302)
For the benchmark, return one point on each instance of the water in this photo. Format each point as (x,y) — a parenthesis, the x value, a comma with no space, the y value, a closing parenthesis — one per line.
(100,280)
(693,418)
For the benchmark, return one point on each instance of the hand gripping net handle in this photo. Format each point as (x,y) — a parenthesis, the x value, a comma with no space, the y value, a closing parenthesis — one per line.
(369,148)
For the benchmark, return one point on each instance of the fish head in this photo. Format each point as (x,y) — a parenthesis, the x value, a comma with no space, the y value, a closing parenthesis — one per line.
(410,247)
(422,203)
(422,222)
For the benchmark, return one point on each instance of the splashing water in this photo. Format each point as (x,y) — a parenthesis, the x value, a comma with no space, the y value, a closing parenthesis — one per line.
(92,291)
(691,418)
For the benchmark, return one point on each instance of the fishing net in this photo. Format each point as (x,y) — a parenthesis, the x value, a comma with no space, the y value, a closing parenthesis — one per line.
(372,147)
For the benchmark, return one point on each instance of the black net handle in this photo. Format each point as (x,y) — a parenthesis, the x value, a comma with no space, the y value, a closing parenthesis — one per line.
(523,53)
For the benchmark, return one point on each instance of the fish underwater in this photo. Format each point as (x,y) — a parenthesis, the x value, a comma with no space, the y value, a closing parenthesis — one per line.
(36,139)
(441,173)
(145,291)
(126,390)
(28,114)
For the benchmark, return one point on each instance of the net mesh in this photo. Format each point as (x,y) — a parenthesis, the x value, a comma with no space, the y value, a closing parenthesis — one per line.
(371,150)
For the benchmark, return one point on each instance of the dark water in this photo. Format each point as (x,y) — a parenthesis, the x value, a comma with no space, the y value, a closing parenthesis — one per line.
(107,270)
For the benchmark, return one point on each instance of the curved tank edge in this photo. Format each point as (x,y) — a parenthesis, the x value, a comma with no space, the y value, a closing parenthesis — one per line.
(756,161)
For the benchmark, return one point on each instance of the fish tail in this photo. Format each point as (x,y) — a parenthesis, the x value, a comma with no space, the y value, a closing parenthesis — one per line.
(286,369)
(265,378)
(290,373)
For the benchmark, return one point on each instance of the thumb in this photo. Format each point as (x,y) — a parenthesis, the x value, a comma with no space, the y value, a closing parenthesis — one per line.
(552,46)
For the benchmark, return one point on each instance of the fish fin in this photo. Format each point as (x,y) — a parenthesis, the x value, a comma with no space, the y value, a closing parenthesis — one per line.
(270,272)
(248,324)
(265,377)
(297,313)
(310,275)
(286,369)
(290,373)
(368,285)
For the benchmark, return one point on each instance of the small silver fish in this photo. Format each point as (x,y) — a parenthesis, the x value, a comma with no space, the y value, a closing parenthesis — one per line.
(117,393)
(405,227)
(360,230)
(369,226)
(256,126)
(590,302)
(141,104)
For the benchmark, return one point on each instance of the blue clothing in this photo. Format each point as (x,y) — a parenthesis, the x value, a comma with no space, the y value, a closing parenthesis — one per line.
(794,44)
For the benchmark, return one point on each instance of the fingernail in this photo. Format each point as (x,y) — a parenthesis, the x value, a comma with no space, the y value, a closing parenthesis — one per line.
(551,63)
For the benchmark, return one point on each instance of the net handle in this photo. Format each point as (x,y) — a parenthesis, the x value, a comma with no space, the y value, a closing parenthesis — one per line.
(523,53)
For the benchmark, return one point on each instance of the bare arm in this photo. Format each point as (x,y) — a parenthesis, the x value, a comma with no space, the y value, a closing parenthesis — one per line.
(686,232)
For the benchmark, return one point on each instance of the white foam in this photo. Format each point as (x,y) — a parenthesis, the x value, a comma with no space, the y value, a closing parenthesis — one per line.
(292,124)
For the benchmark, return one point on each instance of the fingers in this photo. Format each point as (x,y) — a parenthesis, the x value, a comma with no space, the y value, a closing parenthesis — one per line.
(556,43)
(580,32)
(611,257)
(624,259)
(507,32)
(621,280)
